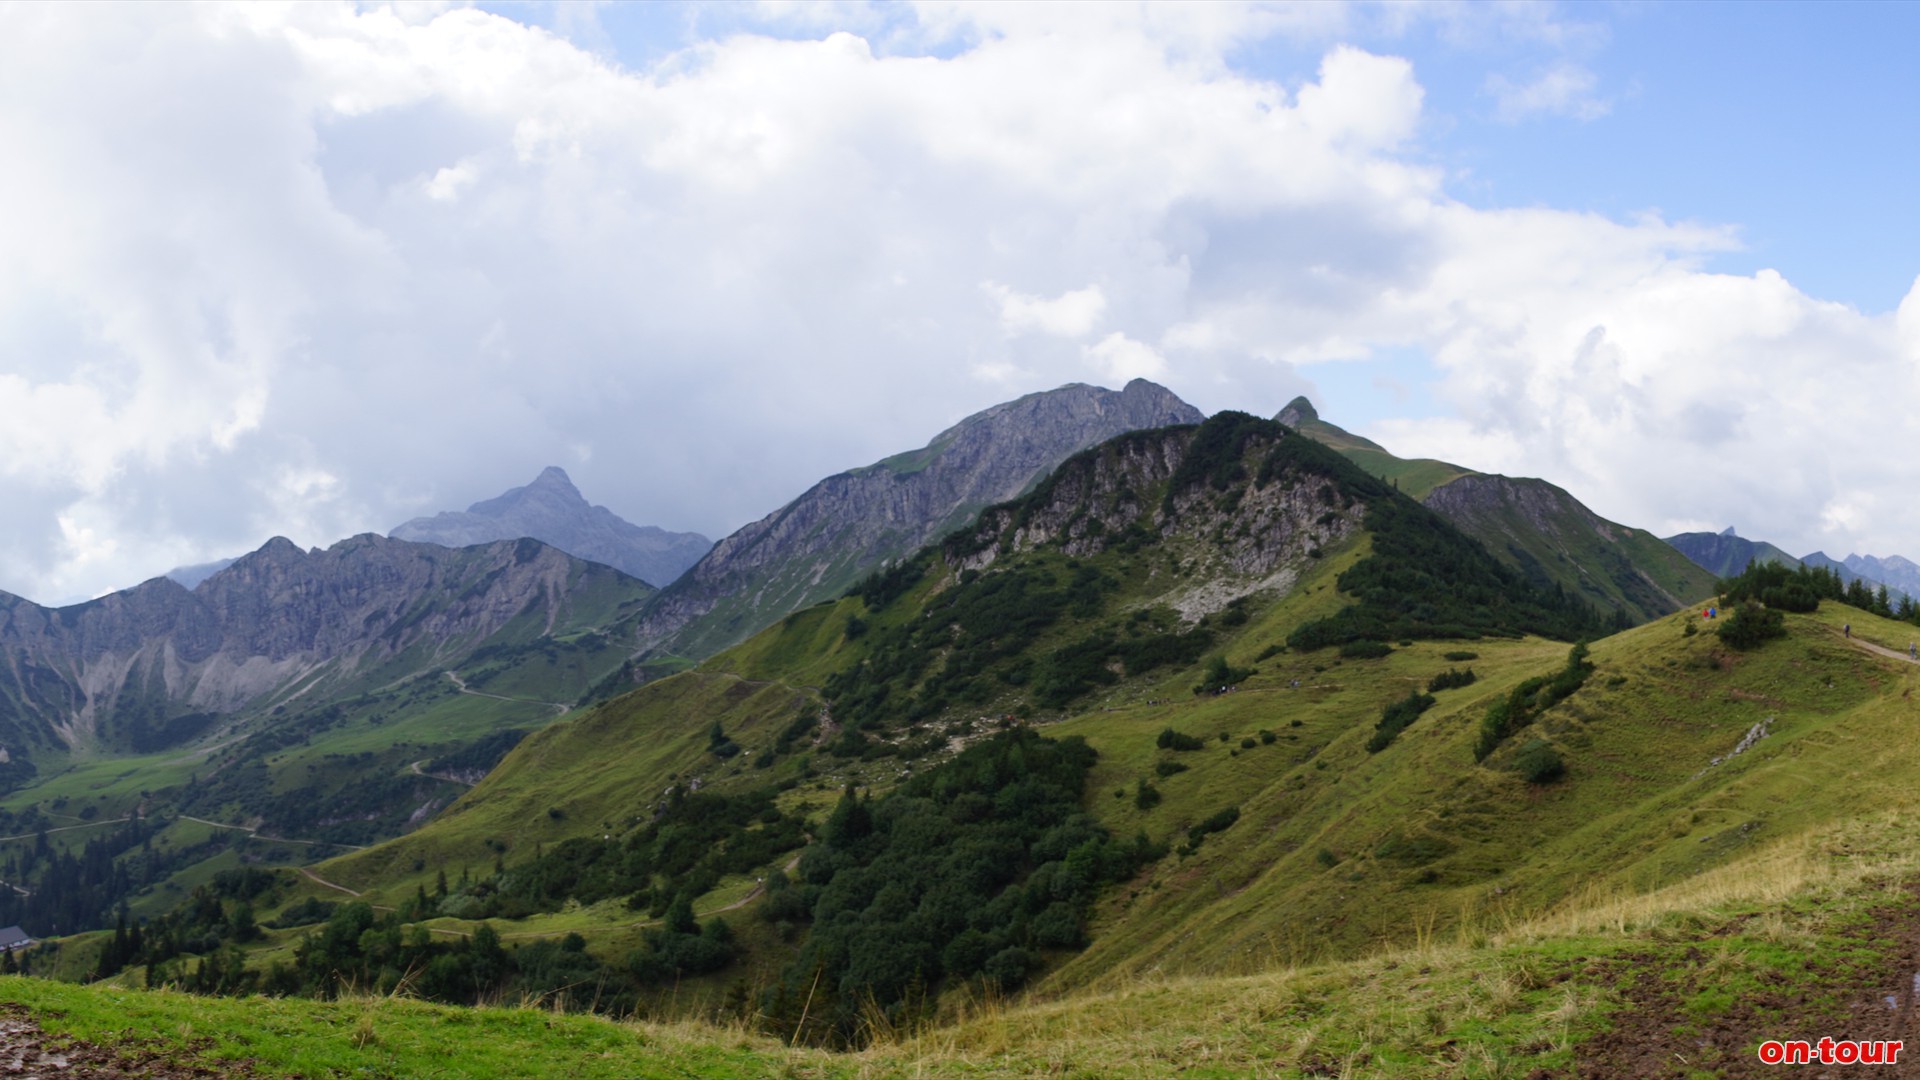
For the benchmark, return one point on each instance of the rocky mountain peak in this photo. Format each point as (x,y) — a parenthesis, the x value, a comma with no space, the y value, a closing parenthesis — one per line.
(552,510)
(1297,412)
(552,490)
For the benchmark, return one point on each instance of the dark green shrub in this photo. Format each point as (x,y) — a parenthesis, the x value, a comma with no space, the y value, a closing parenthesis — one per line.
(1365,650)
(1249,743)
(1460,657)
(1167,768)
(1528,700)
(1396,717)
(1173,740)
(1213,824)
(1146,796)
(1219,675)
(1451,679)
(1538,763)
(1752,626)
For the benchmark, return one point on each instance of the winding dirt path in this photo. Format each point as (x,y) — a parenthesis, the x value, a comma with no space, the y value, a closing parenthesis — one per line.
(318,880)
(461,685)
(1891,654)
(418,771)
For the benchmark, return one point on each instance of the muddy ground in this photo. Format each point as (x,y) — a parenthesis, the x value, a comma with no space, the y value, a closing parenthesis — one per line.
(1864,985)
(27,1051)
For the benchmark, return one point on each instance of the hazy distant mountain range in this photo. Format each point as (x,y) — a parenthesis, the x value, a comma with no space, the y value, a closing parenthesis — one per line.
(157,665)
(552,510)
(1726,553)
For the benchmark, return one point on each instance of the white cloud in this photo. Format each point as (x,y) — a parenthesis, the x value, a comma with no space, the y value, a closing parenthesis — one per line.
(314,269)
(450,181)
(1566,89)
(1072,314)
(1121,359)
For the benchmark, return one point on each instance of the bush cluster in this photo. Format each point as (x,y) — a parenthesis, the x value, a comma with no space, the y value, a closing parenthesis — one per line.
(1396,717)
(1529,699)
(970,870)
(1174,740)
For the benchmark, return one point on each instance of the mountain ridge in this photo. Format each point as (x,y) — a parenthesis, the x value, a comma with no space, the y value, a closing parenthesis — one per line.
(851,523)
(1535,526)
(275,617)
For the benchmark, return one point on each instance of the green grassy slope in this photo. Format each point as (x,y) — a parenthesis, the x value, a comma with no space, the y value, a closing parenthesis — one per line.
(1798,937)
(1415,476)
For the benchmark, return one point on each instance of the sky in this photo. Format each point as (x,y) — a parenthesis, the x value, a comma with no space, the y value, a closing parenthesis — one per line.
(313,269)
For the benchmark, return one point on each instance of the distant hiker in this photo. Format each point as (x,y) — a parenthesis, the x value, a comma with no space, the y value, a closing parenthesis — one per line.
(1912,654)
(1847,629)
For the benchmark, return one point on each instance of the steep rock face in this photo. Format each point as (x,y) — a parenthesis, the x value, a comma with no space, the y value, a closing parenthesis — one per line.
(272,617)
(851,524)
(1555,539)
(553,511)
(1256,537)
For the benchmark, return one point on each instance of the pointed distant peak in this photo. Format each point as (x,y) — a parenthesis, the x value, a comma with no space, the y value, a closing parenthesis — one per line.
(1297,412)
(553,487)
(1728,531)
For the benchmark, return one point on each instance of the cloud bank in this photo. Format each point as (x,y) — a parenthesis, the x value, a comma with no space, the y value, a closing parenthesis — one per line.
(315,269)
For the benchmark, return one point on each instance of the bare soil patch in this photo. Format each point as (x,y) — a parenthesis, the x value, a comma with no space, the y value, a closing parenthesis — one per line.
(27,1051)
(1862,983)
